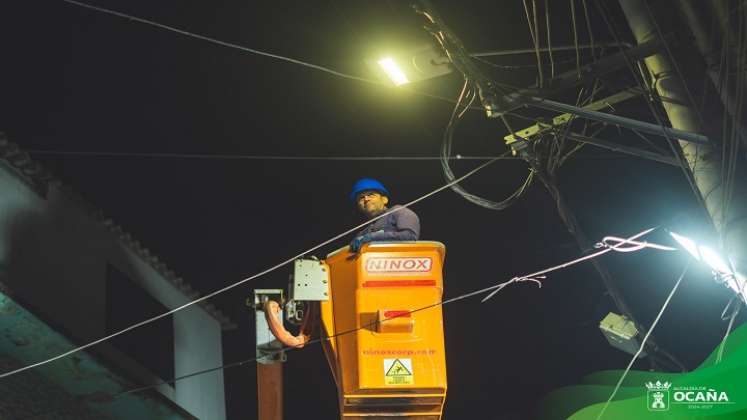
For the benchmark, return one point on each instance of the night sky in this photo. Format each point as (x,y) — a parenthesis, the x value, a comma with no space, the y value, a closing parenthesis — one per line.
(76,80)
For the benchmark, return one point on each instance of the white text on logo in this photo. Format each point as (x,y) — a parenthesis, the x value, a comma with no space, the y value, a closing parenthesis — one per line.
(701,396)
(399,265)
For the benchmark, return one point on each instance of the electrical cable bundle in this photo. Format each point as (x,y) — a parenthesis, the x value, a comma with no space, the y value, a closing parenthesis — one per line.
(475,84)
(446,147)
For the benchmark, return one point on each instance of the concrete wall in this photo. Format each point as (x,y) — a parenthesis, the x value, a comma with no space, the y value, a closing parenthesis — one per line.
(53,257)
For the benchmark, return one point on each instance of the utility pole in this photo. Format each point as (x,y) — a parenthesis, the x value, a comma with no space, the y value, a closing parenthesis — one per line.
(497,103)
(270,358)
(727,210)
(704,41)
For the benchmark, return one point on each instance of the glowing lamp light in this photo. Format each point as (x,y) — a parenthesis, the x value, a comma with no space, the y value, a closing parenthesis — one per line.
(394,72)
(723,270)
(704,254)
(688,244)
(714,261)
(402,64)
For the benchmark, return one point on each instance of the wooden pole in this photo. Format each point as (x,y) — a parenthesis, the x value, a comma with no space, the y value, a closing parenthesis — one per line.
(270,390)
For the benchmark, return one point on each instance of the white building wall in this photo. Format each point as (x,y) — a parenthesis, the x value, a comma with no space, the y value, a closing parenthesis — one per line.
(198,352)
(53,257)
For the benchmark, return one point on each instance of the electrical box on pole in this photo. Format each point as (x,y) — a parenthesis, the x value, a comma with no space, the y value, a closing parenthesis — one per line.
(621,333)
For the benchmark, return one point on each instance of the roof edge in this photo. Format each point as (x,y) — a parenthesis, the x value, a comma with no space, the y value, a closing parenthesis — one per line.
(40,181)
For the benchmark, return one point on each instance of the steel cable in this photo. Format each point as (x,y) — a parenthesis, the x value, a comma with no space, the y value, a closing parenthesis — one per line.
(250,278)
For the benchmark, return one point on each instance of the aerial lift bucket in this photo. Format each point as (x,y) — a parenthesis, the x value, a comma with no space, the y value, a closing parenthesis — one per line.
(384,330)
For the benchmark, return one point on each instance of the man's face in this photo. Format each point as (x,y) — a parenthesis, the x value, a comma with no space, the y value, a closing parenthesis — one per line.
(371,203)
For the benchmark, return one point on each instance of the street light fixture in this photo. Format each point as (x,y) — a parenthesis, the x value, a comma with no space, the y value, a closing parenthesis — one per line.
(392,70)
(411,65)
(703,254)
(722,270)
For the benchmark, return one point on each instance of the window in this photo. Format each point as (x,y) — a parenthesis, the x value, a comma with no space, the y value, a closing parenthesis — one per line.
(151,345)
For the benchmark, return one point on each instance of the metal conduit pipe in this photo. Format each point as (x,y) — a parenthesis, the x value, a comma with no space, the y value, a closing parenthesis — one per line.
(704,161)
(542,49)
(722,13)
(704,43)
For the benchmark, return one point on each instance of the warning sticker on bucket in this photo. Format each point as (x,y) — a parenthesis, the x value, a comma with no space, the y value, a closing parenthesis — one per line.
(398,372)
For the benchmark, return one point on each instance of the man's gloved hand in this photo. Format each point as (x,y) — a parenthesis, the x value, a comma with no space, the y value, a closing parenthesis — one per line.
(355,244)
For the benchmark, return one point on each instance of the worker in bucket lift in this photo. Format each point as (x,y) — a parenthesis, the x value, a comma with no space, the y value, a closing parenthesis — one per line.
(371,198)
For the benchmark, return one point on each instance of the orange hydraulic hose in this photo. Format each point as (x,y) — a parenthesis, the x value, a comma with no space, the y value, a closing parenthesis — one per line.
(275,322)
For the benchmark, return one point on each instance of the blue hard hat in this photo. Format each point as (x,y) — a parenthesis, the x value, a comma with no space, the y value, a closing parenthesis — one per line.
(367,184)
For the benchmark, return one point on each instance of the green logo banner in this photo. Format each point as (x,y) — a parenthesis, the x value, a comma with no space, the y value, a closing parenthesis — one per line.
(713,391)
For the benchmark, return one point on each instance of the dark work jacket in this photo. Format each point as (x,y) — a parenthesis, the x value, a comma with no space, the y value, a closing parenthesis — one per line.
(401,225)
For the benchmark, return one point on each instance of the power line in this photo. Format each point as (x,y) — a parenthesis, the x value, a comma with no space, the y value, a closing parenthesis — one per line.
(255,51)
(535,42)
(261,273)
(633,246)
(542,49)
(608,243)
(321,339)
(575,37)
(209,156)
(223,43)
(254,157)
(643,342)
(446,146)
(549,38)
(252,277)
